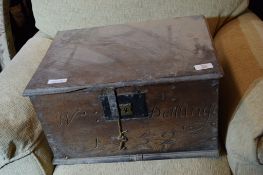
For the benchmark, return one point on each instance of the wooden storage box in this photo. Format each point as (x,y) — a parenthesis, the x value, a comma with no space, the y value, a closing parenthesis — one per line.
(129,92)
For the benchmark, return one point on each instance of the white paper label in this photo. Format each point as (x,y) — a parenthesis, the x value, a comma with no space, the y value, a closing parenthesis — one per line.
(203,66)
(54,81)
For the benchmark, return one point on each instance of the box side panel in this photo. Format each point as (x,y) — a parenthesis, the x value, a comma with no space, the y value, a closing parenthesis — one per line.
(182,117)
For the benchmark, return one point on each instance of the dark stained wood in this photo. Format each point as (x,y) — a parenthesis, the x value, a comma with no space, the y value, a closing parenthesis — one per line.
(156,58)
(125,55)
(182,117)
(138,157)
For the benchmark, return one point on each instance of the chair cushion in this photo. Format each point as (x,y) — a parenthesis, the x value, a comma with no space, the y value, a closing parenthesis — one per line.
(38,162)
(194,166)
(19,128)
(52,16)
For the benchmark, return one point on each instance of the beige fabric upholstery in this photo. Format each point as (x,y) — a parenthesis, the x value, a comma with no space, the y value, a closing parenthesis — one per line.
(197,166)
(244,132)
(19,128)
(39,162)
(52,16)
(240,49)
(244,168)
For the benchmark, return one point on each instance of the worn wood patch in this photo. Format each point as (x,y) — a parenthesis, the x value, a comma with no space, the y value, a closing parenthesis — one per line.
(126,55)
(129,92)
(182,118)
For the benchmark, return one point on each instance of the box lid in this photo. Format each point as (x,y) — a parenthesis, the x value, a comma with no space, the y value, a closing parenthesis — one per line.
(160,51)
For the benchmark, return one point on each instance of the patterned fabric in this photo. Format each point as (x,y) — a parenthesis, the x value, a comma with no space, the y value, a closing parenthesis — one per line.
(7,49)
(239,46)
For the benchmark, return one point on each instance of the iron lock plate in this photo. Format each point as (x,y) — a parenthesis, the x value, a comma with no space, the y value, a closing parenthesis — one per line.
(124,106)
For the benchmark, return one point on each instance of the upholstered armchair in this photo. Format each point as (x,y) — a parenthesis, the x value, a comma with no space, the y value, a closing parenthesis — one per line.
(238,39)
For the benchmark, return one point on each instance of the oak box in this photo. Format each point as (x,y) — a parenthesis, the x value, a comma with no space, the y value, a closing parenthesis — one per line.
(129,92)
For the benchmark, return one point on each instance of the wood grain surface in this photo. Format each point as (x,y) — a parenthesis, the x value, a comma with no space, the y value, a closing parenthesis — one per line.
(128,54)
(182,118)
(154,58)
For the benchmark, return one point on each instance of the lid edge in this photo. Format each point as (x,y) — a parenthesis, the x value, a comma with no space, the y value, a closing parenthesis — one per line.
(93,87)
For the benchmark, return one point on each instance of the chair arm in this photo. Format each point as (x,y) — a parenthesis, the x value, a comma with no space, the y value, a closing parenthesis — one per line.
(20,130)
(239,46)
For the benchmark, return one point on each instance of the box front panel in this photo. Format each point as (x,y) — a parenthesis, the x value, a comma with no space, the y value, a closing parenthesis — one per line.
(181,117)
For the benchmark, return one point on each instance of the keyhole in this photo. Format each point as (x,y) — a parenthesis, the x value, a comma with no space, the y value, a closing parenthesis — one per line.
(126,109)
